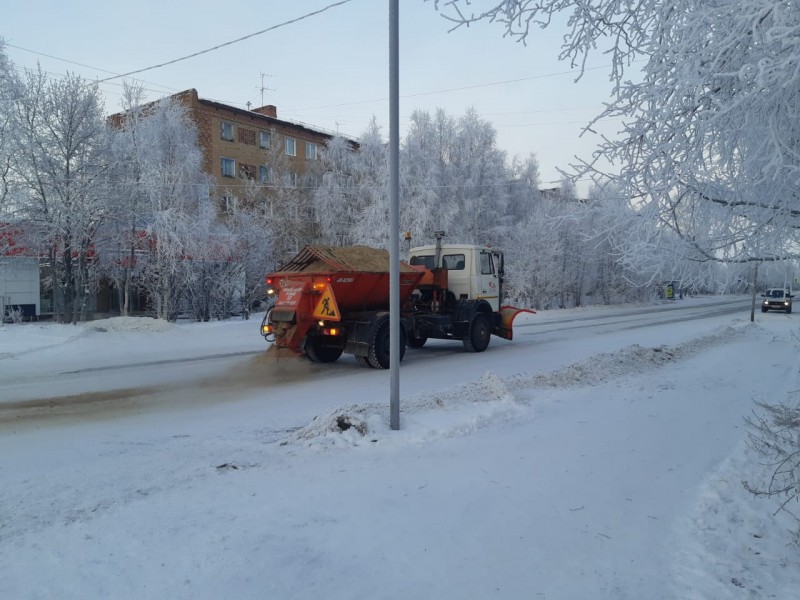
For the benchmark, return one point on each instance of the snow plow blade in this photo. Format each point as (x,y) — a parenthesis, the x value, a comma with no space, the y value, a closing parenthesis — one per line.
(507,316)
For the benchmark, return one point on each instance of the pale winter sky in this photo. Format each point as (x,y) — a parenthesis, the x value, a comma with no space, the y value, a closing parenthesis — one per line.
(329,70)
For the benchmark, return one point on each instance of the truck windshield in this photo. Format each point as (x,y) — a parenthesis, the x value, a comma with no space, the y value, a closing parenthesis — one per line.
(775,293)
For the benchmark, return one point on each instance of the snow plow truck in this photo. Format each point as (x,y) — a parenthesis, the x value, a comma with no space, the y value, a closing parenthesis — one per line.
(331,300)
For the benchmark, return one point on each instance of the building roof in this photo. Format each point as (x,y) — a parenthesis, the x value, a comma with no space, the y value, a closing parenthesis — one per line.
(267,114)
(267,119)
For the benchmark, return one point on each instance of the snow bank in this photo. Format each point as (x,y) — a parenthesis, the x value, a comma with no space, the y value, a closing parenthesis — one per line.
(466,408)
(130,325)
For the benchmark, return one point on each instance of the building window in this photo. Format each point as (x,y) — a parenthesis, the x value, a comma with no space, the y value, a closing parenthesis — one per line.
(229,204)
(311,151)
(263,174)
(226,131)
(246,136)
(228,167)
(264,139)
(290,180)
(290,146)
(247,171)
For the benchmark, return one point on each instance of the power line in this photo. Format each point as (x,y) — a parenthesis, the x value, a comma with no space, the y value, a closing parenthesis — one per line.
(458,89)
(285,23)
(72,62)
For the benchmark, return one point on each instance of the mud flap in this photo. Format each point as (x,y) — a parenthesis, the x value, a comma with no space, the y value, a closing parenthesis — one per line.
(507,316)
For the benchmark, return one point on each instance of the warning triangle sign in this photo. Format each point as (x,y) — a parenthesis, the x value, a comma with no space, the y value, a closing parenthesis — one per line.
(326,307)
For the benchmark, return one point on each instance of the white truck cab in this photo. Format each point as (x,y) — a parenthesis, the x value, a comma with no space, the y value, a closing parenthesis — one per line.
(473,272)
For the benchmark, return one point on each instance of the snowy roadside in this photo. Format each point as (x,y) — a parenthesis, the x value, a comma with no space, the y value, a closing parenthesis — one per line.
(36,349)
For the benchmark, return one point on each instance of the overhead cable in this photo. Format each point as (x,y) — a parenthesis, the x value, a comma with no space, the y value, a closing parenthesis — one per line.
(306,16)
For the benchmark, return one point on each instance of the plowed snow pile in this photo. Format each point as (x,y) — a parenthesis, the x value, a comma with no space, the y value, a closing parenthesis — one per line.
(493,398)
(130,325)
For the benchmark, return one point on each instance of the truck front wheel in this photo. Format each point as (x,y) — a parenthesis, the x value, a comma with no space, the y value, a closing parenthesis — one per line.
(479,334)
(378,355)
(318,350)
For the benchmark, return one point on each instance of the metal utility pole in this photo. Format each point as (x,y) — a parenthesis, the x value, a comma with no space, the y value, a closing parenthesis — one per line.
(394,215)
(753,303)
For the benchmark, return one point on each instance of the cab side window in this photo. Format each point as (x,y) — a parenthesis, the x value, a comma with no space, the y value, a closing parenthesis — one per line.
(453,262)
(487,266)
(425,261)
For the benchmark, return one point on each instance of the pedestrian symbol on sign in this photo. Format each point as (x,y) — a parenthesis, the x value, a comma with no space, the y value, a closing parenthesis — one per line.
(326,307)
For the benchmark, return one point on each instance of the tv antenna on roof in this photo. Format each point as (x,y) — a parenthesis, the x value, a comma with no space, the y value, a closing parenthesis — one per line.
(264,88)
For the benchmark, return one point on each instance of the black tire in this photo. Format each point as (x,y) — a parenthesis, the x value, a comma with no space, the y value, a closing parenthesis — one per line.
(362,361)
(763,309)
(416,341)
(789,310)
(378,354)
(479,334)
(318,349)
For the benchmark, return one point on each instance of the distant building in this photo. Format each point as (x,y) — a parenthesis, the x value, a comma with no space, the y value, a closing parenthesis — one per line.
(20,287)
(242,145)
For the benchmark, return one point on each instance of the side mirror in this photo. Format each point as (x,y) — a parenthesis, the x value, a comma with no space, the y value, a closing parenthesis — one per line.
(763,295)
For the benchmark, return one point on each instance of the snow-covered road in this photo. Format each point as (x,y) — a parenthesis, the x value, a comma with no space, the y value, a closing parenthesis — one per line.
(90,377)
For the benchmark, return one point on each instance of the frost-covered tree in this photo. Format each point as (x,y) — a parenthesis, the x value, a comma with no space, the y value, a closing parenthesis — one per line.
(523,189)
(286,198)
(236,255)
(250,229)
(60,164)
(607,221)
(454,177)
(774,433)
(351,205)
(533,252)
(429,198)
(710,130)
(10,90)
(123,239)
(160,192)
(334,204)
(480,168)
(212,271)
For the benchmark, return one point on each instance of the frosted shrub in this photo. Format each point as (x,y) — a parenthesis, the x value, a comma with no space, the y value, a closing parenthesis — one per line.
(12,314)
(775,434)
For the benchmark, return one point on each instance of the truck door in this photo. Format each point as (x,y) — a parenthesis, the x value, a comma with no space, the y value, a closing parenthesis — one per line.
(489,285)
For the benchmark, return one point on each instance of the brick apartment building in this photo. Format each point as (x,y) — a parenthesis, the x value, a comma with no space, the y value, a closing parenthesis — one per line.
(251,145)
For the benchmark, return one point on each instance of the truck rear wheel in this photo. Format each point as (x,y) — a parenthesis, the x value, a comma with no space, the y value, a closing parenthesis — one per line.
(479,334)
(378,355)
(319,350)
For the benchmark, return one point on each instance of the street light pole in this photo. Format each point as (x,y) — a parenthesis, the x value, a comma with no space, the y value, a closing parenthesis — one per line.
(394,215)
